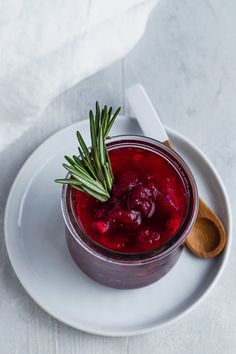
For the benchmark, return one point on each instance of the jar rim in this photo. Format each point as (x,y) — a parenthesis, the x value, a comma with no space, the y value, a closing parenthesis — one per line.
(146,256)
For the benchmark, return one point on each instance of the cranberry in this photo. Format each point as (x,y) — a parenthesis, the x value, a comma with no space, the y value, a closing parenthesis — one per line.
(126,182)
(138,157)
(148,238)
(125,219)
(173,223)
(154,190)
(141,199)
(100,226)
(141,193)
(168,199)
(115,243)
(146,207)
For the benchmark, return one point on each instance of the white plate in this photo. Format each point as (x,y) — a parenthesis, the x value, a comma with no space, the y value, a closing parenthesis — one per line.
(34,232)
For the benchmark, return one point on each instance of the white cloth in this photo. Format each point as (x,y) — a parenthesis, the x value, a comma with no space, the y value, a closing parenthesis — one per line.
(47,47)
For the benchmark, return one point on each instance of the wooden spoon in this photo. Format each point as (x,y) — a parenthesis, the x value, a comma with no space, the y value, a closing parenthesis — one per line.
(208,237)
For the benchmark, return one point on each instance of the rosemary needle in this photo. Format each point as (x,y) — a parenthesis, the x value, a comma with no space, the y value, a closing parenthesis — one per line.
(91,171)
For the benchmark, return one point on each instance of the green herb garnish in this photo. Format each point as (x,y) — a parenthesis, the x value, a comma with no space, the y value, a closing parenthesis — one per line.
(91,171)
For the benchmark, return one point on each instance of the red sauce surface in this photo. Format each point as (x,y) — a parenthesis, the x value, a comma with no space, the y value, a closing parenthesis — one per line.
(147,204)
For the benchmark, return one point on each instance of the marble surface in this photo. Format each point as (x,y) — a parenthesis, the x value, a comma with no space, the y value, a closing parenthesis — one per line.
(187,62)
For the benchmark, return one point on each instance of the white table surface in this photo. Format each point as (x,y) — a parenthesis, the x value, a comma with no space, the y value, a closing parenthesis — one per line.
(187,62)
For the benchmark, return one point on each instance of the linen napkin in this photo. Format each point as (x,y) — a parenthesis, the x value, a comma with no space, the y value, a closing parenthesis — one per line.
(47,47)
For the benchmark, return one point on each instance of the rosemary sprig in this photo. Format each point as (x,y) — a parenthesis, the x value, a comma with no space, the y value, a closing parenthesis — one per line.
(91,171)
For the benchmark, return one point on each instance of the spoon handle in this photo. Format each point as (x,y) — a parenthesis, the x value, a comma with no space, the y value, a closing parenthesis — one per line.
(147,115)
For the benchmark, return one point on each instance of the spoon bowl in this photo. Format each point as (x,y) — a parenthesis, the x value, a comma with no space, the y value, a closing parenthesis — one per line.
(208,237)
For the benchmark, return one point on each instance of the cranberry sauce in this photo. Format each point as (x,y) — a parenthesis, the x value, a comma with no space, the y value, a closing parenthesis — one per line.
(147,204)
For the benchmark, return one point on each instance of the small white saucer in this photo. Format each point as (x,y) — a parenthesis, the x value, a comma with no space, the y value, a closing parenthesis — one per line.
(34,232)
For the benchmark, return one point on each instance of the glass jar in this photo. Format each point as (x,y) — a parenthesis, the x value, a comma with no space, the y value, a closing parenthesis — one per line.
(128,271)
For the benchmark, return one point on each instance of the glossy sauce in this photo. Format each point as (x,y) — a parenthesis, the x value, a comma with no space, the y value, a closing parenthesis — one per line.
(147,205)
